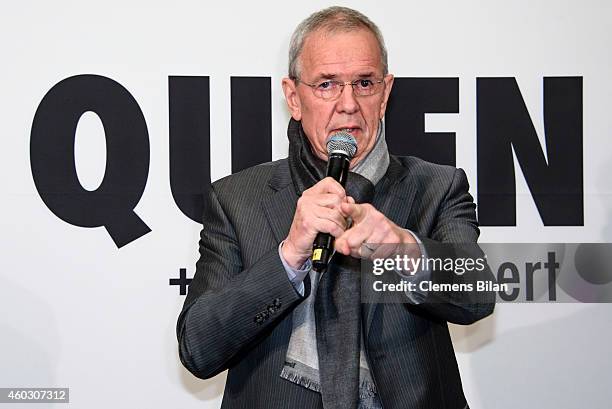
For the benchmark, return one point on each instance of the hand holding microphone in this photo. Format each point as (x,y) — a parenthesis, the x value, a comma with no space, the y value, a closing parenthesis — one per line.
(341,147)
(318,217)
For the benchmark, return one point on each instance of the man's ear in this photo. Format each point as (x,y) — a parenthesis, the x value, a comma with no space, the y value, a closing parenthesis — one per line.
(388,85)
(292,98)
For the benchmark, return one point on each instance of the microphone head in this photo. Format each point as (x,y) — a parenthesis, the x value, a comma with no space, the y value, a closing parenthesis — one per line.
(342,142)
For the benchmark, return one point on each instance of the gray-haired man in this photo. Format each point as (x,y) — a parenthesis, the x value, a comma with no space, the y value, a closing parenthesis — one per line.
(290,337)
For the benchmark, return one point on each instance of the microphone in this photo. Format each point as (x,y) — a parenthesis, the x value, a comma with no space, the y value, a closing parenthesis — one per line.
(341,147)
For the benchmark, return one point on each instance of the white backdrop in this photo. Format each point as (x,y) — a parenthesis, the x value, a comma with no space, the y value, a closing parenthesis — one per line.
(78,312)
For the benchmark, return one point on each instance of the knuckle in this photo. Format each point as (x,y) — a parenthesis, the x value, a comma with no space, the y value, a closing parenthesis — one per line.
(325,226)
(378,216)
(386,231)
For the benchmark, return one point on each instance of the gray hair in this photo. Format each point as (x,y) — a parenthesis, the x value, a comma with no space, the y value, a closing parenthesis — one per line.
(332,19)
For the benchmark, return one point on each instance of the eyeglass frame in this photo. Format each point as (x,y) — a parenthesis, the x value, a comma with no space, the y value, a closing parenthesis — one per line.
(313,87)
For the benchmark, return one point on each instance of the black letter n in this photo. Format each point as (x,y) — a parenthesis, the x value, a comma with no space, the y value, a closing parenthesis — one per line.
(503,124)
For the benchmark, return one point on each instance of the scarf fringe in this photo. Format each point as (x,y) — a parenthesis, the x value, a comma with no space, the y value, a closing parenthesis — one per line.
(301,380)
(366,387)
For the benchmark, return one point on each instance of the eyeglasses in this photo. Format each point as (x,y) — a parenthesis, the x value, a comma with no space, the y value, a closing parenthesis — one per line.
(330,89)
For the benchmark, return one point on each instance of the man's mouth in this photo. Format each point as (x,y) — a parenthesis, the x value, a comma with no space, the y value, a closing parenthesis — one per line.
(350,130)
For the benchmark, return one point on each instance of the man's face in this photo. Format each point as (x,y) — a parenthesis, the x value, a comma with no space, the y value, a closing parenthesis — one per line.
(344,57)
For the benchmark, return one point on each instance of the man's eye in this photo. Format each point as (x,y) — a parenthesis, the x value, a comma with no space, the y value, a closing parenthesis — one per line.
(326,85)
(365,83)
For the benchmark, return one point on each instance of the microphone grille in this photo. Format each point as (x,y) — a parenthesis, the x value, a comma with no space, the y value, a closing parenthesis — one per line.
(342,142)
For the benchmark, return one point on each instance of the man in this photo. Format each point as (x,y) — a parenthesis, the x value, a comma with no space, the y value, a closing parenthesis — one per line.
(292,337)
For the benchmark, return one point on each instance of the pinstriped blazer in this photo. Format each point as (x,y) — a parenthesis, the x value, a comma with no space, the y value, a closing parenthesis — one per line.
(237,313)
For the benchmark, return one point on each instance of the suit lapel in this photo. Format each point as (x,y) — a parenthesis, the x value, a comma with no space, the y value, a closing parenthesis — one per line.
(279,207)
(394,197)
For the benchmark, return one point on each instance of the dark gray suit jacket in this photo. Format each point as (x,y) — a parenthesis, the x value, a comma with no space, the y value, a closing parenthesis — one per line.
(237,314)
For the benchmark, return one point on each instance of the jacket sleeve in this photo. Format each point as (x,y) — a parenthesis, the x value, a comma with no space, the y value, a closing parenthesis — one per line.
(454,236)
(228,309)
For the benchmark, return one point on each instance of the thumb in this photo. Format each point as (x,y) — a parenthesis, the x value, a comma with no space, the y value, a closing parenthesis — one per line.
(352,210)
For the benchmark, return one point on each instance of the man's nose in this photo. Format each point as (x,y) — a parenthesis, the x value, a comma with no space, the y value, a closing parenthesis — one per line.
(347,101)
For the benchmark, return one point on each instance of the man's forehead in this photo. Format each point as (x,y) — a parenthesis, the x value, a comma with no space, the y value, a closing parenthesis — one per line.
(328,54)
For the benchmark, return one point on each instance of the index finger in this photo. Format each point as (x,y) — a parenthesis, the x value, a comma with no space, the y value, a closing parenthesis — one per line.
(328,185)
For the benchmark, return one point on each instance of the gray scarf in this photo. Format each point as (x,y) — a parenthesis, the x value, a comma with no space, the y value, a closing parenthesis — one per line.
(323,350)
